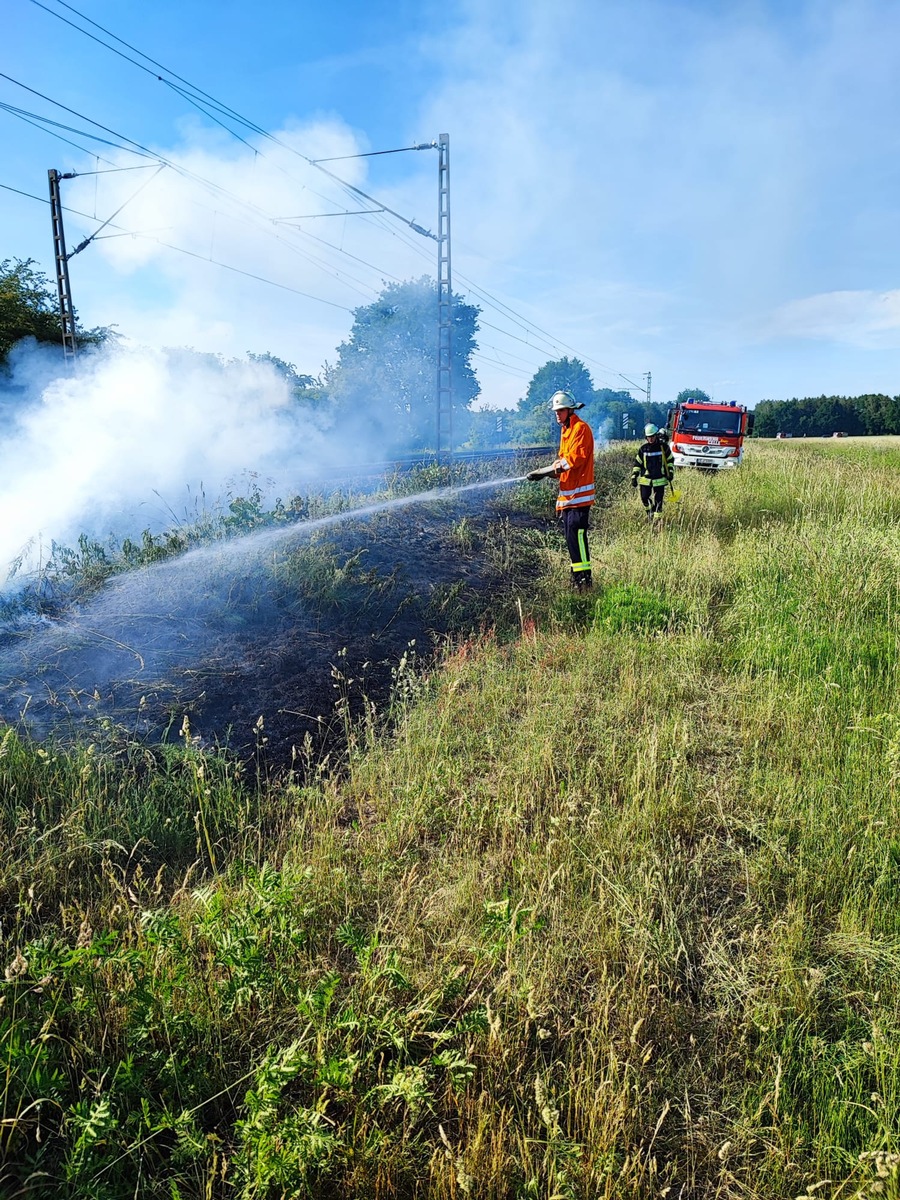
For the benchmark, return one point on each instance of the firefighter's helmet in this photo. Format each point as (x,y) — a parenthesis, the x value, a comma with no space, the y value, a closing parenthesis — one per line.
(650,430)
(564,400)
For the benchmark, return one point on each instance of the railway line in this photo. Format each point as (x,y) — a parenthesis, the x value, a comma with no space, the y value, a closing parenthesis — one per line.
(412,462)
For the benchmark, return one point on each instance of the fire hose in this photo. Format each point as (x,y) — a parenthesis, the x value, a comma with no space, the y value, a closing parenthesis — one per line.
(541,473)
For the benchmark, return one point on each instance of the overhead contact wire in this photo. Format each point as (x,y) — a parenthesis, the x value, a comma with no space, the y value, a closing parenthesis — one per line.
(181,250)
(193,95)
(185,172)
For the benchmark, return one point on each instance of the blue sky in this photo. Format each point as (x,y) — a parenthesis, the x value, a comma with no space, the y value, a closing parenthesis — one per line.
(705,190)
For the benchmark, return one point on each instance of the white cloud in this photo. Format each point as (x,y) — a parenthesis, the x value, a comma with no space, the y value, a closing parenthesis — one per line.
(860,318)
(646,175)
(229,204)
(639,178)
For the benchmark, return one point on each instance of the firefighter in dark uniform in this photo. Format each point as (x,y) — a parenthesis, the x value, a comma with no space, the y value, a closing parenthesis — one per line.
(654,467)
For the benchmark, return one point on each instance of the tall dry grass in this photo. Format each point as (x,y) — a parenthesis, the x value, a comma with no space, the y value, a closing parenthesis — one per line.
(609,909)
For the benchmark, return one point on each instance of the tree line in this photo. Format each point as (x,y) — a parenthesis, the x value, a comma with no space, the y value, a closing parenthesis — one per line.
(821,416)
(381,386)
(611,413)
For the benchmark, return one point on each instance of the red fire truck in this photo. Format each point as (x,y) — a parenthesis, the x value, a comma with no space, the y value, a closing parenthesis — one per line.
(710,436)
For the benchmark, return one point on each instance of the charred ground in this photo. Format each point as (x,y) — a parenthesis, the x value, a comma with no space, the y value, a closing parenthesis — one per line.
(343,611)
(263,644)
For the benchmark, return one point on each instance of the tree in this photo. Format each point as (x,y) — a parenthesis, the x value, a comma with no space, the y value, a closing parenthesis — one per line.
(879,414)
(305,389)
(286,370)
(29,308)
(697,395)
(490,428)
(604,408)
(384,382)
(535,423)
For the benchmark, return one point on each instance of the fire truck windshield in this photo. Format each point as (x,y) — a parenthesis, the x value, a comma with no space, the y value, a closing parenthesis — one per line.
(704,421)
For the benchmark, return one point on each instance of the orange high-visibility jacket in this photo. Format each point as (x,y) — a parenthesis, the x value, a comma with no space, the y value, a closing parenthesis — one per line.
(576,446)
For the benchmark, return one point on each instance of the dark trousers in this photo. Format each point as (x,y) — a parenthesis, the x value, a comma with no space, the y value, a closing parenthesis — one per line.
(575,524)
(652,497)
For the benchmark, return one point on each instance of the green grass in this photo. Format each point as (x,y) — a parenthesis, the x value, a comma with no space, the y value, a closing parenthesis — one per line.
(609,909)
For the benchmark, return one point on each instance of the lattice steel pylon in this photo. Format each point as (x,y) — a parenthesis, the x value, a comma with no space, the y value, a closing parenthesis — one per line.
(66,309)
(445,307)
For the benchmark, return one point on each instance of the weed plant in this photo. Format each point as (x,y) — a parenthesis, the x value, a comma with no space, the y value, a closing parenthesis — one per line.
(609,909)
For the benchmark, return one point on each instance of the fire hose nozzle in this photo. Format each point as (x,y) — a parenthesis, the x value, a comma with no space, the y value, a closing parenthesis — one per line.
(541,473)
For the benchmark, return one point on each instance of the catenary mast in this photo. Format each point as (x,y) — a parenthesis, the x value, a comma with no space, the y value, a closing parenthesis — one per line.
(64,290)
(445,306)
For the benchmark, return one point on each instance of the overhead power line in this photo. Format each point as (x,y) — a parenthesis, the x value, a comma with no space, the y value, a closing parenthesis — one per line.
(354,212)
(248,274)
(193,95)
(504,368)
(109,171)
(549,337)
(40,122)
(134,62)
(132,147)
(31,196)
(138,148)
(375,153)
(209,105)
(212,186)
(32,119)
(190,253)
(228,267)
(87,241)
(556,347)
(193,88)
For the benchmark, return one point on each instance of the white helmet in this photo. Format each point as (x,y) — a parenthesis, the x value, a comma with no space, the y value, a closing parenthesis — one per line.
(564,400)
(650,430)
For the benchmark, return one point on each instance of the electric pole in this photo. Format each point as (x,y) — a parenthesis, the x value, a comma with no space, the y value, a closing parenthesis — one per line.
(445,306)
(647,376)
(444,381)
(66,309)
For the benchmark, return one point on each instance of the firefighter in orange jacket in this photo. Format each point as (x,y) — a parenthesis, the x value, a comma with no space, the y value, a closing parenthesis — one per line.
(574,468)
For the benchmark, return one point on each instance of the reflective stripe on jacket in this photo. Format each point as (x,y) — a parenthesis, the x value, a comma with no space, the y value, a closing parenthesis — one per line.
(576,446)
(654,464)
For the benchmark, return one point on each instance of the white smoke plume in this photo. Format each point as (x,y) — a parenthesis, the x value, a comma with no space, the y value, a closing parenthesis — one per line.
(133,436)
(130,438)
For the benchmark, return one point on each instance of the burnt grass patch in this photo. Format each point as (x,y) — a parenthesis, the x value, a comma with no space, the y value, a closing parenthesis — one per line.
(268,645)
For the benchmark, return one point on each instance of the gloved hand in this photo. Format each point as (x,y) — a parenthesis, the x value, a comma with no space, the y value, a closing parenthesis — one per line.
(634,481)
(534,476)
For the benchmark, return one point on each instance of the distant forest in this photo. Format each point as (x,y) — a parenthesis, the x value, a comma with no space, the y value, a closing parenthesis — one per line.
(821,416)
